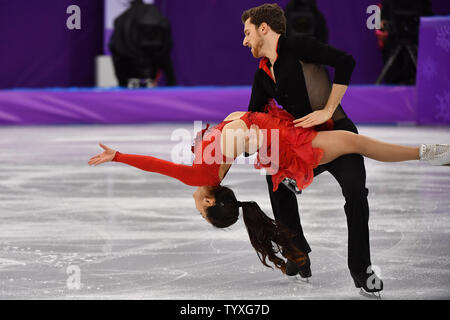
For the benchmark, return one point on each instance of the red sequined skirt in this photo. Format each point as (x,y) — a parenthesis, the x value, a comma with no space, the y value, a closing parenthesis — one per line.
(295,157)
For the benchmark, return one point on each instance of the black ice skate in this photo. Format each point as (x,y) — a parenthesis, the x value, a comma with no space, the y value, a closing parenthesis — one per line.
(304,271)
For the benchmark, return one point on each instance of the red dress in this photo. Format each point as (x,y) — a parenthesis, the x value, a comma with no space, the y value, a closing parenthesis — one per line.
(297,158)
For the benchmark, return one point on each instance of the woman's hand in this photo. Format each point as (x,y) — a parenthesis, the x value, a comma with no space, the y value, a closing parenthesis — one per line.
(106,156)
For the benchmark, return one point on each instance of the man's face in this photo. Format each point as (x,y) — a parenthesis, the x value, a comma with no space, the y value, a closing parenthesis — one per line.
(253,39)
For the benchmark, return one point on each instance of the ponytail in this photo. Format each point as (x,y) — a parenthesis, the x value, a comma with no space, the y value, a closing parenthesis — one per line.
(270,238)
(267,237)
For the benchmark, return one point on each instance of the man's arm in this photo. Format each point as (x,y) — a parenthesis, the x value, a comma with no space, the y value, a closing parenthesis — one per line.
(323,115)
(259,97)
(310,50)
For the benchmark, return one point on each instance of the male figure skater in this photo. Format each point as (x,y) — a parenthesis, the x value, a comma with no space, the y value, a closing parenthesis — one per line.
(288,68)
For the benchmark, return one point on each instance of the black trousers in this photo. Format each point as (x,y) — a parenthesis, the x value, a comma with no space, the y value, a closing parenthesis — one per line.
(350,173)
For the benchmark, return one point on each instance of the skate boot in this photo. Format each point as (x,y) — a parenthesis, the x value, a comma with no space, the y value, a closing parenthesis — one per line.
(435,154)
(304,271)
(368,282)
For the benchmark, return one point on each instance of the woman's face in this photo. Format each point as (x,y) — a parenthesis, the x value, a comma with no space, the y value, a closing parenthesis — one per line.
(203,199)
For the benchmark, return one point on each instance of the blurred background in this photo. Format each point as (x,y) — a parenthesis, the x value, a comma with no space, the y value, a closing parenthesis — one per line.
(161,43)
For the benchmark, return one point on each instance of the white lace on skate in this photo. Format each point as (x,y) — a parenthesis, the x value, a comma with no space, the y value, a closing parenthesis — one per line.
(435,154)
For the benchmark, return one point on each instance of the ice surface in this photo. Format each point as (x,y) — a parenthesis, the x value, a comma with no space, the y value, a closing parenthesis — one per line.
(130,234)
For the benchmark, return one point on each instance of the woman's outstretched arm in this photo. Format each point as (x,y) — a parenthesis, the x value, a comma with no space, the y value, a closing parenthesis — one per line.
(190,175)
(336,143)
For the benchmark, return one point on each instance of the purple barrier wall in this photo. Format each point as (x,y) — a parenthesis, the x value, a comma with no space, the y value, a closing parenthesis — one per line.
(433,74)
(364,104)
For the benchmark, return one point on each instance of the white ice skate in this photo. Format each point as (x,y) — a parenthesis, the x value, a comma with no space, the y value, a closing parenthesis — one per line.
(435,154)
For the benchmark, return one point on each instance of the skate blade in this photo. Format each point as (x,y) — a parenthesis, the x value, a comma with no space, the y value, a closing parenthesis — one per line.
(299,279)
(370,295)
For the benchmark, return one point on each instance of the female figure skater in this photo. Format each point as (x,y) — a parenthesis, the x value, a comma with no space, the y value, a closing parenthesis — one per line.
(300,151)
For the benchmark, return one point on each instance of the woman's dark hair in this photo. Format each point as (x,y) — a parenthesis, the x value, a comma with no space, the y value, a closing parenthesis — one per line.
(271,14)
(267,237)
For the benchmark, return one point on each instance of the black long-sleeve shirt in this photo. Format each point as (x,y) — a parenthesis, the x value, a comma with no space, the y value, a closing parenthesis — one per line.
(290,89)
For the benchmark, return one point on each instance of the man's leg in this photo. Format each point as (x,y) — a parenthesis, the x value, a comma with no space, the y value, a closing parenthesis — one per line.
(285,210)
(350,173)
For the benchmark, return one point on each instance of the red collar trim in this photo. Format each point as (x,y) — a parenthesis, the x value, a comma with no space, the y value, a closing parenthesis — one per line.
(263,63)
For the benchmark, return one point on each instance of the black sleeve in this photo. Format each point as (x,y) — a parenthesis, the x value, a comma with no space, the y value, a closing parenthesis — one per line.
(310,50)
(259,97)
